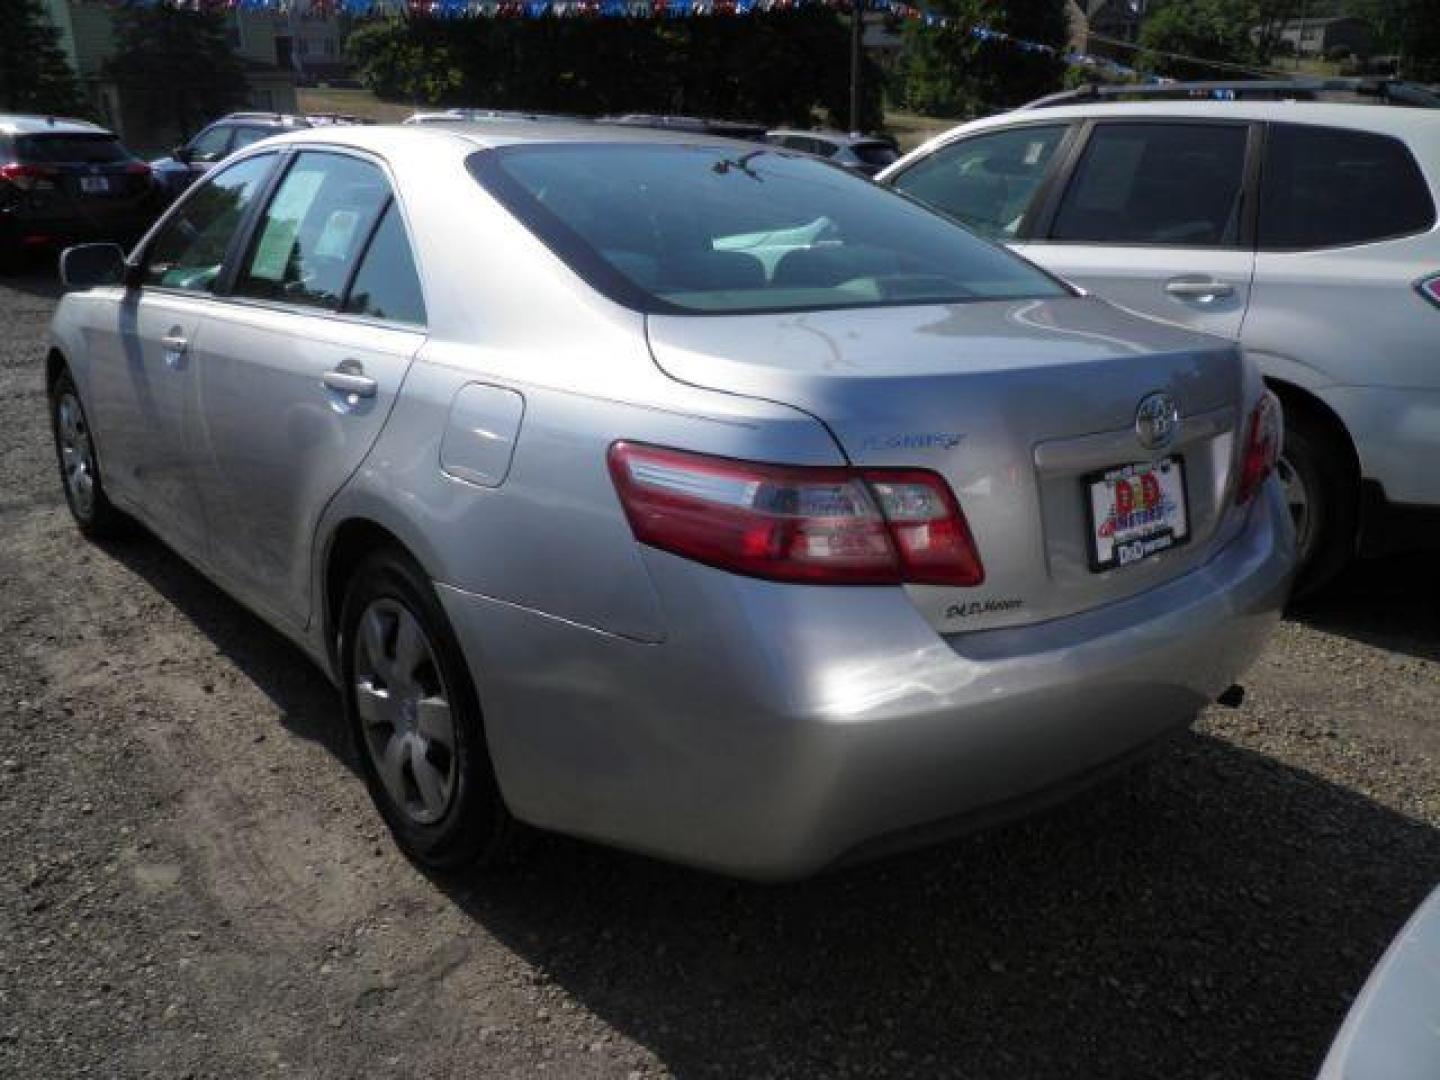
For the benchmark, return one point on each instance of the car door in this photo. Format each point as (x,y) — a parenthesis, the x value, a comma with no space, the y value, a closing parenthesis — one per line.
(1158,217)
(990,181)
(143,378)
(299,367)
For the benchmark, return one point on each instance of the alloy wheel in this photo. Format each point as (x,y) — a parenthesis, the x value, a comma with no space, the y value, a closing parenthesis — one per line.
(77,454)
(1297,498)
(405,711)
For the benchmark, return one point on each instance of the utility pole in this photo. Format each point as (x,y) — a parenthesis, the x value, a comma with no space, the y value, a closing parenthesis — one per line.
(1300,33)
(857,30)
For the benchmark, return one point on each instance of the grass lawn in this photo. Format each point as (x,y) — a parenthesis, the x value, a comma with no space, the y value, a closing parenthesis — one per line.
(354,102)
(910,129)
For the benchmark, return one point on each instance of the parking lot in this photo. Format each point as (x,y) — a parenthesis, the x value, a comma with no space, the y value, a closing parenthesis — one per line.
(196,883)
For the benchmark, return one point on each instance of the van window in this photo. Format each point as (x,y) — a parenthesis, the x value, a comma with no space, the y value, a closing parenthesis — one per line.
(1324,187)
(986,182)
(1174,185)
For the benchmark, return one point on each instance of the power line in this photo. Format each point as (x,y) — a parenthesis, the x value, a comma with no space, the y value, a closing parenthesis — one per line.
(1246,69)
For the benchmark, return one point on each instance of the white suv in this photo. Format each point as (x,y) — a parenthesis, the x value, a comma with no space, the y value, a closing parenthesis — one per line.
(1306,231)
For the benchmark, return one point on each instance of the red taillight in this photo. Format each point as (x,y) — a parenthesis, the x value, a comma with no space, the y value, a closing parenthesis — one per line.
(1263,437)
(137,168)
(797,523)
(26,177)
(1430,288)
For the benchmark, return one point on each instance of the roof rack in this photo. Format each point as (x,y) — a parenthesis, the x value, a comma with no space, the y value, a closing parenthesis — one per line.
(283,118)
(1359,90)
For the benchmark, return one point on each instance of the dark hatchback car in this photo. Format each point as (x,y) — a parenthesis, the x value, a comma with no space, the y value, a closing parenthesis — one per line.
(63,181)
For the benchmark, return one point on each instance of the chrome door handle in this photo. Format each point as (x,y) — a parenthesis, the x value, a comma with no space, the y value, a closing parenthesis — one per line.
(350,381)
(174,343)
(1199,290)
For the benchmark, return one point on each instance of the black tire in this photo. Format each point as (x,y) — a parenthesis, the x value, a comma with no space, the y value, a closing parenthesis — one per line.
(475,828)
(1316,461)
(76,454)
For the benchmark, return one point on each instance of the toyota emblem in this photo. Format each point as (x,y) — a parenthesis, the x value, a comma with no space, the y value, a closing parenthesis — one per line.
(1157,421)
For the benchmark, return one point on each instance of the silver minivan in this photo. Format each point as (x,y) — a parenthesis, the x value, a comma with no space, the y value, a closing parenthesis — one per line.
(687,495)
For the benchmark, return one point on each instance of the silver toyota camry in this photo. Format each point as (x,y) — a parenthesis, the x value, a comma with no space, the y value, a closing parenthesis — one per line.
(691,496)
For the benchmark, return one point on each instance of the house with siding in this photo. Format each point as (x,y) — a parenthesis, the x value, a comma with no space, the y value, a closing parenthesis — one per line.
(1106,27)
(263,40)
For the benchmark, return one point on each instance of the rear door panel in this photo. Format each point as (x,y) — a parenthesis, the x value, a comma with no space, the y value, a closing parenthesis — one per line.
(1158,217)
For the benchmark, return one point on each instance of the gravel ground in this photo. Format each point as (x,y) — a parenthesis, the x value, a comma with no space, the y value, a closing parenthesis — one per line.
(195,884)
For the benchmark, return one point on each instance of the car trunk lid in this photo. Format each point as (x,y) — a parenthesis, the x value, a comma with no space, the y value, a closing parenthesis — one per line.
(1018,404)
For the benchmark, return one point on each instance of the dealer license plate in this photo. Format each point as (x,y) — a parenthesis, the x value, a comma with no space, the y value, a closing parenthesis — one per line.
(1136,512)
(94,185)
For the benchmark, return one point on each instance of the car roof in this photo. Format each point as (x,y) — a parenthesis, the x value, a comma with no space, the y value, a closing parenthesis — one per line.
(494,134)
(23,124)
(1389,119)
(843,138)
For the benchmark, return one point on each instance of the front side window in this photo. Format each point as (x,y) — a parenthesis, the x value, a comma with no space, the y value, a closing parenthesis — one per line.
(1175,185)
(696,228)
(311,233)
(386,286)
(1325,187)
(211,144)
(987,182)
(189,250)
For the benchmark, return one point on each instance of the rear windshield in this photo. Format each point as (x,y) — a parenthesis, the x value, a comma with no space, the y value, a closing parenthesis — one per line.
(875,153)
(725,229)
(67,149)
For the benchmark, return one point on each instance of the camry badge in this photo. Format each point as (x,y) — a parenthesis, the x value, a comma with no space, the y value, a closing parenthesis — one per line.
(1157,421)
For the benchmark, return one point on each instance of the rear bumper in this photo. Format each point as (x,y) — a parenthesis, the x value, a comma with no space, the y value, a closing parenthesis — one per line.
(778,728)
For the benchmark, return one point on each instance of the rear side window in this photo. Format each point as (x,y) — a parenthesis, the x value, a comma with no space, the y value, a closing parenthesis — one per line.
(386,286)
(94,149)
(312,231)
(1175,185)
(987,182)
(189,250)
(878,154)
(1328,186)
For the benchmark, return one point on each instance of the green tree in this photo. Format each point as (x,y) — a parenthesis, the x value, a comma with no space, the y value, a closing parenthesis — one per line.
(34,73)
(174,67)
(950,71)
(777,67)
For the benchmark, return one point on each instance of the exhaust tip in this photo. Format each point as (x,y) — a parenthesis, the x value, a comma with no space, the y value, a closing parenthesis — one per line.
(1232,698)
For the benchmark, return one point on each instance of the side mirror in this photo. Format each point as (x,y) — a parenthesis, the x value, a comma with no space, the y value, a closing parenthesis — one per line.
(183,154)
(88,265)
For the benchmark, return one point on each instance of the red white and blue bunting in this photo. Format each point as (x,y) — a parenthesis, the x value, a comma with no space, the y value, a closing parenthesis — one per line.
(636,9)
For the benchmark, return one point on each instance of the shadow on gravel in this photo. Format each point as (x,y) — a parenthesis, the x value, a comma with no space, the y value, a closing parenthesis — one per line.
(305,697)
(36,280)
(1209,915)
(1391,603)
